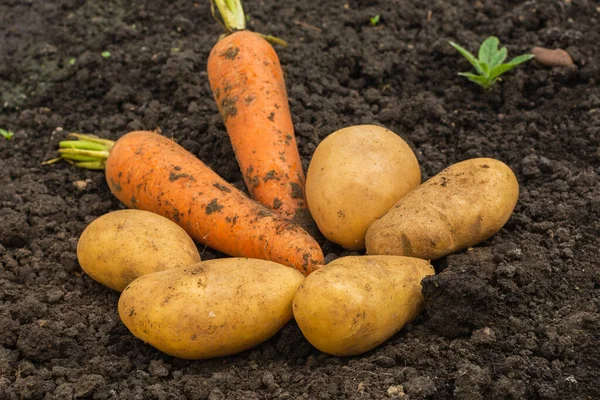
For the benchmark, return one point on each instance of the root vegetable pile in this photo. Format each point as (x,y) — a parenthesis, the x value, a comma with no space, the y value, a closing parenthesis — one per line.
(363,189)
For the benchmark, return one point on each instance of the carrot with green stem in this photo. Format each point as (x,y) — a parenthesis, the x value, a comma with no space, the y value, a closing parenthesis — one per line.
(147,171)
(248,85)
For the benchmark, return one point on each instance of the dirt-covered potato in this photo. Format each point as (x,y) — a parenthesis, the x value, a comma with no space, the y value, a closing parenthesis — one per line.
(119,246)
(356,303)
(461,206)
(356,174)
(211,309)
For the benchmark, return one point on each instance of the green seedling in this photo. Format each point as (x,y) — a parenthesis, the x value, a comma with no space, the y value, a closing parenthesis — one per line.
(375,20)
(490,65)
(105,54)
(8,135)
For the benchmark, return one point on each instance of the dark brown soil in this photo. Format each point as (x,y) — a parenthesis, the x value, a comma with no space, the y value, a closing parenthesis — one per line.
(514,318)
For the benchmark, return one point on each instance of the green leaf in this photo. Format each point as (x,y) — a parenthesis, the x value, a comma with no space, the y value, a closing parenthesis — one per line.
(466,54)
(105,54)
(375,20)
(499,57)
(482,81)
(521,59)
(8,135)
(485,68)
(488,49)
(501,69)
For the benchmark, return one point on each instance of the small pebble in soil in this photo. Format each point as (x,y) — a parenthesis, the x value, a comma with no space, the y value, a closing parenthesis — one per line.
(396,391)
(483,335)
(553,57)
(80,185)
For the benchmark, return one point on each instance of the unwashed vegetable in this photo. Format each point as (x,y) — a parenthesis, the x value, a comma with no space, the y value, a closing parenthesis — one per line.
(489,64)
(356,303)
(120,246)
(147,171)
(211,309)
(248,85)
(355,176)
(460,207)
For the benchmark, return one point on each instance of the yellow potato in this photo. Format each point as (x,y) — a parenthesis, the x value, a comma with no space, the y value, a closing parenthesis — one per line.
(356,303)
(356,174)
(119,246)
(461,206)
(211,309)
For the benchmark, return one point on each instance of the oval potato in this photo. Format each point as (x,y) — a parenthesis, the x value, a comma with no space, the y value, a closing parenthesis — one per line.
(461,206)
(356,303)
(117,247)
(211,309)
(355,175)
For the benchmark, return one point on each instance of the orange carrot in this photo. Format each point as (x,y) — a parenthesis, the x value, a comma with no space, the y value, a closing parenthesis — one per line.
(248,85)
(147,171)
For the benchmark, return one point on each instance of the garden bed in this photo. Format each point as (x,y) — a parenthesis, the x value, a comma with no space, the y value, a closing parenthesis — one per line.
(515,317)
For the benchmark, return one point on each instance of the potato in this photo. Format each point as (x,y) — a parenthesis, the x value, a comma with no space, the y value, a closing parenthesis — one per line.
(356,174)
(356,303)
(119,246)
(211,309)
(461,206)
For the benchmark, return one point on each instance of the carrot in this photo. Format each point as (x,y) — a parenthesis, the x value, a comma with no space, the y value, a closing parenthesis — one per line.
(147,171)
(248,85)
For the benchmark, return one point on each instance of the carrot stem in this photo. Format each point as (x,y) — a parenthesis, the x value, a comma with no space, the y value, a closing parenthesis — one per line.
(233,19)
(88,151)
(273,39)
(232,14)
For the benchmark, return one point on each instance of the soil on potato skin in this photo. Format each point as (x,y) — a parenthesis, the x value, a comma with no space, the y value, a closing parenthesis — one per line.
(516,317)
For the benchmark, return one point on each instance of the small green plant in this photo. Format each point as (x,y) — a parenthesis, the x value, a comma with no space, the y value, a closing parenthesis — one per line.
(105,54)
(490,65)
(375,20)
(7,134)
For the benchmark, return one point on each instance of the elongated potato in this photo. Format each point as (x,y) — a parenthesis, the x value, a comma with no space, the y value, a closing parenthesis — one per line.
(461,206)
(356,174)
(356,303)
(211,309)
(117,247)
